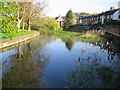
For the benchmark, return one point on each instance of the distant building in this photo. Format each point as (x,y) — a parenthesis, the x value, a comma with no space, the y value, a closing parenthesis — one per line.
(112,14)
(119,10)
(119,4)
(60,20)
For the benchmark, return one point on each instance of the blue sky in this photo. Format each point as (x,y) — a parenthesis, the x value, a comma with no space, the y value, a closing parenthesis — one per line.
(61,7)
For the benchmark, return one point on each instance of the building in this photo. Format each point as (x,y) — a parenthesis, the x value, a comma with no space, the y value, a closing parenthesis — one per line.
(102,17)
(119,4)
(60,20)
(119,10)
(112,14)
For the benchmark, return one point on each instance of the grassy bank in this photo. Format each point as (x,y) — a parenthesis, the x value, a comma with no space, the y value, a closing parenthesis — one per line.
(68,35)
(12,35)
(89,38)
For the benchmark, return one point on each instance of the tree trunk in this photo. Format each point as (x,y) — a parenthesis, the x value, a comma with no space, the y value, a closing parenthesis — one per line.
(23,25)
(18,24)
(29,24)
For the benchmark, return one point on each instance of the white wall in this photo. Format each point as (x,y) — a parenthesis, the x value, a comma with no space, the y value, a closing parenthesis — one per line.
(80,21)
(115,15)
(103,18)
(119,4)
(119,15)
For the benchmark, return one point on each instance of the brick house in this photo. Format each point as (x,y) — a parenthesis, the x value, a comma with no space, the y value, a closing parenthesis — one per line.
(112,14)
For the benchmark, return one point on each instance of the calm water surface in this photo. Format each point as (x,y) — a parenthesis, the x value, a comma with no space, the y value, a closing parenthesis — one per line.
(49,62)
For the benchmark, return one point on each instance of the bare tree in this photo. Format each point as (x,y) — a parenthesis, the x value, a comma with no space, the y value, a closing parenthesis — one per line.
(33,12)
(21,13)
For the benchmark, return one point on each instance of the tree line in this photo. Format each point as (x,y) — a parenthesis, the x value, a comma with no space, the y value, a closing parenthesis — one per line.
(28,15)
(15,13)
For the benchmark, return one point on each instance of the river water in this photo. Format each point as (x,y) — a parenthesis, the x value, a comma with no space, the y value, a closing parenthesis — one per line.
(48,62)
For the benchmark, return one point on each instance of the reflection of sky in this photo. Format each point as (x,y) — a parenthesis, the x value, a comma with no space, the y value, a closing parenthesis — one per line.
(4,56)
(62,60)
(6,59)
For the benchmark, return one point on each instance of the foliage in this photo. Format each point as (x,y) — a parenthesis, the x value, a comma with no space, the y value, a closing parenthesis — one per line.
(8,17)
(89,38)
(33,12)
(112,22)
(2,35)
(83,14)
(76,28)
(49,24)
(70,19)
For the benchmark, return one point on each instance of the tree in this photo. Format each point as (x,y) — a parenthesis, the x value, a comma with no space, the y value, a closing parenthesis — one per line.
(69,19)
(33,12)
(49,24)
(21,13)
(9,17)
(83,14)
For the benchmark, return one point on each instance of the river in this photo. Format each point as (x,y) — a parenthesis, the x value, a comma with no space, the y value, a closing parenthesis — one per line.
(49,62)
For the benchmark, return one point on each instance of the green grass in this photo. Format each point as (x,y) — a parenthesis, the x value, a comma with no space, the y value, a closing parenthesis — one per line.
(65,34)
(12,35)
(68,35)
(89,38)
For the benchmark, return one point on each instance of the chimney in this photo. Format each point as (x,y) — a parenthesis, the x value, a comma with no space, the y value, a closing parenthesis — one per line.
(95,13)
(112,8)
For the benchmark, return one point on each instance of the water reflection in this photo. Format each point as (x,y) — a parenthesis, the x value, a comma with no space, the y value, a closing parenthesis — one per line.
(98,77)
(53,63)
(69,44)
(27,69)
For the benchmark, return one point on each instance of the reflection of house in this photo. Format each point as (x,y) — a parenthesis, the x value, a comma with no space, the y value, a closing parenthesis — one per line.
(103,17)
(60,20)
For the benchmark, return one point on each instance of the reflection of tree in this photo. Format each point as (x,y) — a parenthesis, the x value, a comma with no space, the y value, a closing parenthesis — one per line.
(102,77)
(69,43)
(27,70)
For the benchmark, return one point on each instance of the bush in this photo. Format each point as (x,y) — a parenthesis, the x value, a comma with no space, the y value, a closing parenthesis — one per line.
(50,25)
(112,22)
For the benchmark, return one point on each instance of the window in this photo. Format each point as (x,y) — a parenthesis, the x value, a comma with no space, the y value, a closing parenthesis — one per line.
(119,16)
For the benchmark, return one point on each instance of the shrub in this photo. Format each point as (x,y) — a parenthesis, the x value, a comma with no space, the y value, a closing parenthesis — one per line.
(112,22)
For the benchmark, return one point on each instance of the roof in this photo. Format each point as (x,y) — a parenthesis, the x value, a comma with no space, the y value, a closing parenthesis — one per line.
(110,12)
(89,17)
(59,18)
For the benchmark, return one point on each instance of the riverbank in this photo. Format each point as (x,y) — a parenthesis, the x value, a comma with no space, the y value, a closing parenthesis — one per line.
(7,42)
(70,35)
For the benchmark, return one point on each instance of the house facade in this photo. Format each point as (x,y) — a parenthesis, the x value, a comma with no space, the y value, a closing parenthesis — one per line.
(112,14)
(60,20)
(119,10)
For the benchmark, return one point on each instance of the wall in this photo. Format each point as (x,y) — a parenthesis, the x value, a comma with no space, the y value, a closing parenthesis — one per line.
(119,4)
(114,29)
(7,42)
(115,15)
(103,17)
